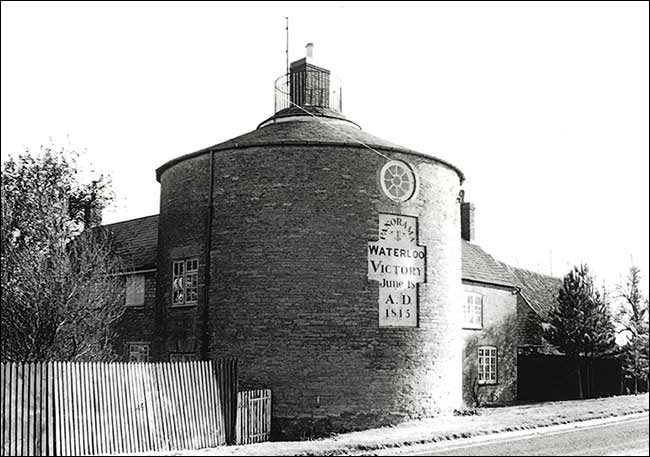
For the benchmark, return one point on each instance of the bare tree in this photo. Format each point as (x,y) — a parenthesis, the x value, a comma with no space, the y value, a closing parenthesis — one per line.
(61,292)
(633,319)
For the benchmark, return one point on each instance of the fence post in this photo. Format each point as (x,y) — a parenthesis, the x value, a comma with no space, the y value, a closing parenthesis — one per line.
(234,386)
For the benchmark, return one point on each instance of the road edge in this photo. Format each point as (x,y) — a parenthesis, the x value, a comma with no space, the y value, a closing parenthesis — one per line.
(449,442)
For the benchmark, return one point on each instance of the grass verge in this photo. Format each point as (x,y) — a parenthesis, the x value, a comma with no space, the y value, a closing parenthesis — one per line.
(444,428)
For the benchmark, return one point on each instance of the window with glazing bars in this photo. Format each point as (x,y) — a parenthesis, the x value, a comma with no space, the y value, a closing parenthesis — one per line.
(473,311)
(185,282)
(487,365)
(182,356)
(139,352)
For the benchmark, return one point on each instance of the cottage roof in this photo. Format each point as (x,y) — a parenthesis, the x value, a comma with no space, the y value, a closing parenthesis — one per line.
(135,242)
(540,291)
(480,266)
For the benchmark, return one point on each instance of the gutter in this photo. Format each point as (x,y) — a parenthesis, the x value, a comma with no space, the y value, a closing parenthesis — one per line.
(135,272)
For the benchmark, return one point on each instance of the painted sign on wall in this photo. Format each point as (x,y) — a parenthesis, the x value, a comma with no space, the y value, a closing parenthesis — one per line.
(397,262)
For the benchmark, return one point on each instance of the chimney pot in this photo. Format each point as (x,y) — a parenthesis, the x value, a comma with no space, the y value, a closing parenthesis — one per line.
(309,83)
(310,50)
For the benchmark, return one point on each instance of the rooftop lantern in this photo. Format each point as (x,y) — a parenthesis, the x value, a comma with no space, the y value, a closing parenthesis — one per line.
(308,86)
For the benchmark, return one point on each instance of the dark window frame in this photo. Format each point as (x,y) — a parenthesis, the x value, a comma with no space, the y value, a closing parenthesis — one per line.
(185,282)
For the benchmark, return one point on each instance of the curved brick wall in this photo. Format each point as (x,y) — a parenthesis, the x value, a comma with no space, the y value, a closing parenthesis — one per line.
(289,293)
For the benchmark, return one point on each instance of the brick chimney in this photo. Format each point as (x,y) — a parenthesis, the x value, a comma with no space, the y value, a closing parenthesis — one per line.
(467,230)
(310,84)
(92,215)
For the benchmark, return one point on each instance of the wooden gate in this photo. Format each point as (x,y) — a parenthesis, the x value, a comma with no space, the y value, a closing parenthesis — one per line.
(253,416)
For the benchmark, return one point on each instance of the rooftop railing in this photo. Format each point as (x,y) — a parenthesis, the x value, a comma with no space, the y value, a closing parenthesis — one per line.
(308,88)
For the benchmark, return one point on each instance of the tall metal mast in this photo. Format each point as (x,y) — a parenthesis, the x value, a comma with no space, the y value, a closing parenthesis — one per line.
(287,47)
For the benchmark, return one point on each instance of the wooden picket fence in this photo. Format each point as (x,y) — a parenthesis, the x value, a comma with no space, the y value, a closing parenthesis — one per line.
(253,416)
(66,408)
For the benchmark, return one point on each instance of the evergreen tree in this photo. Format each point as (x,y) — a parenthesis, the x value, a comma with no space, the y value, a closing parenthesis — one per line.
(581,324)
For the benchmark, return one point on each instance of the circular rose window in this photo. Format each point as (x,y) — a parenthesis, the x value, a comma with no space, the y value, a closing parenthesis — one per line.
(397,181)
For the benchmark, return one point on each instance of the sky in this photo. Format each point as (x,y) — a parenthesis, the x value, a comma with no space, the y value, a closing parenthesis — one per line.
(543,106)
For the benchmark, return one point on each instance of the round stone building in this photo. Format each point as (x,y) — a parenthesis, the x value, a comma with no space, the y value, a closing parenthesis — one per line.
(326,259)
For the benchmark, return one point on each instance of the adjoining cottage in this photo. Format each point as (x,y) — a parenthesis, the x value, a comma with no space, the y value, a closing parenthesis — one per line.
(503,312)
(328,261)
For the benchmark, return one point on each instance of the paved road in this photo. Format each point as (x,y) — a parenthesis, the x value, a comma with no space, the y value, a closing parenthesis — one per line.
(629,437)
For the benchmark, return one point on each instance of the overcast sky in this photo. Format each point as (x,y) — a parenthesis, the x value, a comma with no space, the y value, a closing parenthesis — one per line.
(543,106)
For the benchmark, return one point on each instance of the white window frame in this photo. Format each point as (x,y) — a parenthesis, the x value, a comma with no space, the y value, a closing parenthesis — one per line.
(135,350)
(137,284)
(488,365)
(470,308)
(187,280)
(182,356)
